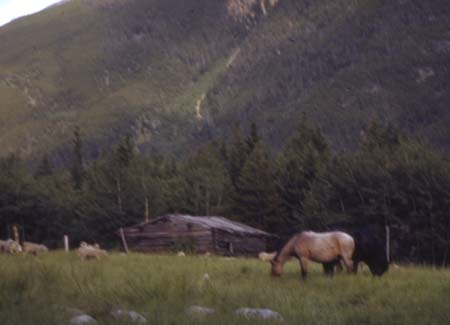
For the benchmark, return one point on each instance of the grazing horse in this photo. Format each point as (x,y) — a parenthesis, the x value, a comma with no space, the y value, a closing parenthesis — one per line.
(370,249)
(327,248)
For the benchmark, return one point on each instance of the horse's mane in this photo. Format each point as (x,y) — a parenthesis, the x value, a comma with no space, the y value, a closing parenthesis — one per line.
(284,246)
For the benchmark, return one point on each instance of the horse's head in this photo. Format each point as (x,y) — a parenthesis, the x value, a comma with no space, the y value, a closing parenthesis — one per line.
(277,268)
(378,265)
(370,248)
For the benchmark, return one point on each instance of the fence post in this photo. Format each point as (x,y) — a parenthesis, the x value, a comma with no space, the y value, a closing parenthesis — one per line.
(388,244)
(124,240)
(146,212)
(16,233)
(66,243)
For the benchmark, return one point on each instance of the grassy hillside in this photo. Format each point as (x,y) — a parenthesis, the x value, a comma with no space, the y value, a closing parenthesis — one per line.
(175,73)
(343,63)
(111,68)
(40,290)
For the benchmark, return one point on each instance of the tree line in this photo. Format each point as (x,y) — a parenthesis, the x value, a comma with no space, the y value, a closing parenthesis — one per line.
(390,180)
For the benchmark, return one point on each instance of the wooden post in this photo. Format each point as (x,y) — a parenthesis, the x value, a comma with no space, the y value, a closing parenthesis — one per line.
(388,244)
(124,240)
(16,234)
(119,194)
(216,247)
(66,243)
(146,212)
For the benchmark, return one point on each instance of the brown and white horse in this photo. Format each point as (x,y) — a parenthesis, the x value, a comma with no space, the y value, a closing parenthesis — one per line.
(328,248)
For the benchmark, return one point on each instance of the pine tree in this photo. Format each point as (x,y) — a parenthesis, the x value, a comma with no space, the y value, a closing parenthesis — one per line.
(77,170)
(207,180)
(301,163)
(45,168)
(377,137)
(256,201)
(237,155)
(253,138)
(123,157)
(125,152)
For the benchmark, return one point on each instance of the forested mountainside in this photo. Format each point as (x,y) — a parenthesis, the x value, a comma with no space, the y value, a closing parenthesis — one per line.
(174,74)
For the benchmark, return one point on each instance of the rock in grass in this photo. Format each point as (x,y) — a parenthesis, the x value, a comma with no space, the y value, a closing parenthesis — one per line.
(82,319)
(199,310)
(129,315)
(261,313)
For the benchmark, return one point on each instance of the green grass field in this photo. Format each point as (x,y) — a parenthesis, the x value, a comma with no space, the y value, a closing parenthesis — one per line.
(39,290)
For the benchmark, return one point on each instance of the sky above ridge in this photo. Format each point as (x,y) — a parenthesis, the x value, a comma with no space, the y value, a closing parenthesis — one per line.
(12,9)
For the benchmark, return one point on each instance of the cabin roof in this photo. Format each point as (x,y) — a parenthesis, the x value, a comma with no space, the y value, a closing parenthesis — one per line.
(210,222)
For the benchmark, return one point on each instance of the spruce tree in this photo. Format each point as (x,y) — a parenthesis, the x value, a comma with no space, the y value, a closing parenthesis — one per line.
(207,180)
(377,137)
(253,137)
(256,201)
(45,168)
(300,164)
(77,170)
(125,152)
(237,154)
(123,157)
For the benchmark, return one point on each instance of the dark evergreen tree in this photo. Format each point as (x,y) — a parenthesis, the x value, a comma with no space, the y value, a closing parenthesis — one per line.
(377,137)
(77,170)
(253,137)
(45,168)
(207,181)
(256,200)
(125,152)
(224,153)
(122,158)
(302,162)
(237,155)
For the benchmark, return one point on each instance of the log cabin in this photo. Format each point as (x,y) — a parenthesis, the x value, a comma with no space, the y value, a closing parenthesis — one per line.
(192,234)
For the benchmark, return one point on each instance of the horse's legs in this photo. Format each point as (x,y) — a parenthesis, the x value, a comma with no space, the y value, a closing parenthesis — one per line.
(348,262)
(328,268)
(303,266)
(339,265)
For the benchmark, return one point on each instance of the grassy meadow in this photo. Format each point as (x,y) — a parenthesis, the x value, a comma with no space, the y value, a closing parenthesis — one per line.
(40,290)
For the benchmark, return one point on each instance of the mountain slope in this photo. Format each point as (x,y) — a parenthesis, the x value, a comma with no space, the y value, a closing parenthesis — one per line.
(108,67)
(343,63)
(177,73)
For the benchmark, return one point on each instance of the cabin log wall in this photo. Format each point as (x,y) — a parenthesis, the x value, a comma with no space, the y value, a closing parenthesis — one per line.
(164,237)
(237,244)
(168,234)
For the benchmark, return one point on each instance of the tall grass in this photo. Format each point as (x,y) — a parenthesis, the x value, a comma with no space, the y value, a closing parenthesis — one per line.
(40,291)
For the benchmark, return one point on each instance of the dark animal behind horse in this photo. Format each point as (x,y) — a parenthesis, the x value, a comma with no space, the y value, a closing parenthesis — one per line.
(370,248)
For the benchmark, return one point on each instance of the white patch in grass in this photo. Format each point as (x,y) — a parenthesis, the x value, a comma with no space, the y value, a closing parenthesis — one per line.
(198,107)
